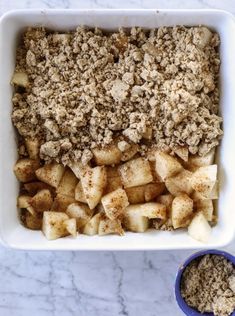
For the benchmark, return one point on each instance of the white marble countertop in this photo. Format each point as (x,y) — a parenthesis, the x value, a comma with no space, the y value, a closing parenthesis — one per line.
(98,283)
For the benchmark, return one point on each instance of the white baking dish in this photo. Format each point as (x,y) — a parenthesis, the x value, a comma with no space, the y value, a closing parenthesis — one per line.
(12,233)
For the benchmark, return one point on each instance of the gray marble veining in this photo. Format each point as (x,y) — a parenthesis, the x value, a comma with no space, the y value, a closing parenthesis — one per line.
(98,283)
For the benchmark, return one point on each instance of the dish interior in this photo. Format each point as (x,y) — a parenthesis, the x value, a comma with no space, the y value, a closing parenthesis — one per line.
(12,25)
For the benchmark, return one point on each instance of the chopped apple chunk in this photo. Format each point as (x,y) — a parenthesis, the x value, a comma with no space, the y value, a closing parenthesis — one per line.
(93,182)
(32,146)
(61,202)
(109,155)
(92,226)
(79,194)
(199,228)
(180,183)
(166,165)
(20,79)
(33,221)
(206,207)
(71,226)
(51,174)
(67,184)
(135,172)
(204,180)
(108,226)
(80,212)
(53,225)
(182,211)
(42,201)
(114,203)
(25,168)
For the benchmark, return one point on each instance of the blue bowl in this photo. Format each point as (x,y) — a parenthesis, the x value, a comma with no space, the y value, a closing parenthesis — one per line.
(189,311)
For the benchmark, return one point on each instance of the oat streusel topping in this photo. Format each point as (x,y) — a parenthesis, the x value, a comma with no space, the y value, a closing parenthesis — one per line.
(208,284)
(86,88)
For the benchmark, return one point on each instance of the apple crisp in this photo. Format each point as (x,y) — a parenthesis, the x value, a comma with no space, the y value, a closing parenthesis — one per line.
(117,131)
(86,88)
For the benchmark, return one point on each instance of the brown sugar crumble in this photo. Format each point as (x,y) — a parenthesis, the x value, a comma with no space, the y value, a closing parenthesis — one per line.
(88,88)
(208,285)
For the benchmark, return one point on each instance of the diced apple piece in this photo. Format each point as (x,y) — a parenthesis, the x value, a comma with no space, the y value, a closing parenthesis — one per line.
(135,172)
(114,203)
(214,194)
(61,202)
(152,190)
(20,79)
(182,152)
(109,155)
(77,168)
(136,194)
(42,201)
(53,225)
(81,212)
(32,146)
(151,153)
(109,226)
(67,184)
(51,174)
(71,226)
(150,210)
(130,152)
(34,187)
(195,161)
(199,228)
(93,182)
(24,202)
(203,179)
(79,194)
(166,165)
(91,227)
(180,183)
(182,211)
(33,222)
(206,207)
(153,210)
(134,221)
(25,168)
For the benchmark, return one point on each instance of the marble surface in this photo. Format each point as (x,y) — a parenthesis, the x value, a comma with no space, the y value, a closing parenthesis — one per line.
(98,283)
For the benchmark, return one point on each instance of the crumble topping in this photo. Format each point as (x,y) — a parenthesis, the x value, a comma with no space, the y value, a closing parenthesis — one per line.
(87,88)
(208,285)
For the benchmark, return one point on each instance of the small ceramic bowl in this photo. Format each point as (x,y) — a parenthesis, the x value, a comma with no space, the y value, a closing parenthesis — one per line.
(189,311)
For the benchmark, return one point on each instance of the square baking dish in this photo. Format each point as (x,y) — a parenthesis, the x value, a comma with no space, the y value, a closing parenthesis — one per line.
(12,233)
